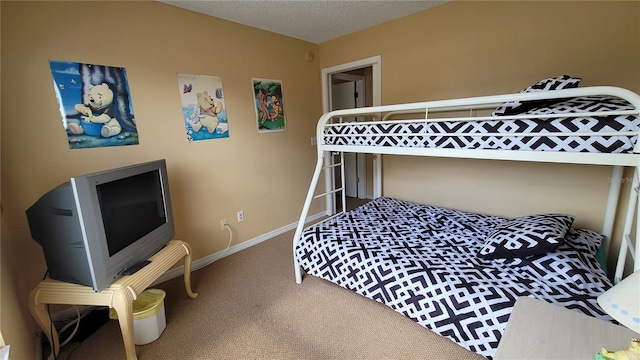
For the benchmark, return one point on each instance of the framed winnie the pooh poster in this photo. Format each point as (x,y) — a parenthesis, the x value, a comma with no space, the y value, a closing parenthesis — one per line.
(269,105)
(203,108)
(95,104)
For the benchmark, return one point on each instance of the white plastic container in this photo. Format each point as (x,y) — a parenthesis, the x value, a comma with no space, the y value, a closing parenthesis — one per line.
(148,316)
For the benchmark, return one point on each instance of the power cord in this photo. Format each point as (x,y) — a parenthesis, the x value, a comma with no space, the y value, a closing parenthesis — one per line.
(228,245)
(52,328)
(77,322)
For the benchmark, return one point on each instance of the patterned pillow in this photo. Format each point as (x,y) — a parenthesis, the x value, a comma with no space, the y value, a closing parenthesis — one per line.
(554,83)
(527,235)
(587,246)
(584,241)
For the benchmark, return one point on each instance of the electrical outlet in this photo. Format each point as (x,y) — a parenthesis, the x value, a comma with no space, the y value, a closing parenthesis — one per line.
(240,216)
(223,224)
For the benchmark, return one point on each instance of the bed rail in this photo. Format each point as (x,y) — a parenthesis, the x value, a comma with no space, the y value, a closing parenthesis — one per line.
(434,111)
(478,110)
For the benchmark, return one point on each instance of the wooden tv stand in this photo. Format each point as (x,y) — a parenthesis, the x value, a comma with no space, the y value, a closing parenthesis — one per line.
(119,295)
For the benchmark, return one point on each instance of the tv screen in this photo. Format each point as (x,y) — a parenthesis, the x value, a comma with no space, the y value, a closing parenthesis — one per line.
(96,227)
(131,208)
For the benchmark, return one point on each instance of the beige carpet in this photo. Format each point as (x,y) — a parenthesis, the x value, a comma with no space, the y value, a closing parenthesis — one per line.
(251,308)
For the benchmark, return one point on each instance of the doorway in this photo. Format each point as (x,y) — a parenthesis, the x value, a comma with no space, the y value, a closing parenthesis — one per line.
(362,171)
(348,91)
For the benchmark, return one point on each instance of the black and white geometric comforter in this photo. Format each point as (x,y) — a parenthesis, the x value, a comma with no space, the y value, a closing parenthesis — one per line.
(421,261)
(433,134)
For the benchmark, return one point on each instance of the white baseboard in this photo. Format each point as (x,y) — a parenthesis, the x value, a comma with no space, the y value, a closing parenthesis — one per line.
(199,264)
(210,259)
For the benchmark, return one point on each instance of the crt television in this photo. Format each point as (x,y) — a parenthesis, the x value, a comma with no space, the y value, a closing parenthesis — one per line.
(97,227)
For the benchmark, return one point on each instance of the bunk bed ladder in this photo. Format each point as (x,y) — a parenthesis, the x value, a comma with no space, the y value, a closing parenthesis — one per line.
(626,246)
(327,156)
(330,184)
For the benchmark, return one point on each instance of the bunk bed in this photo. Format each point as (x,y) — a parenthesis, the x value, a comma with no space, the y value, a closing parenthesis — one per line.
(460,273)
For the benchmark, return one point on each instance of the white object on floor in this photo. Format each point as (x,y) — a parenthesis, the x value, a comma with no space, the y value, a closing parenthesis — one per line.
(539,330)
(149,329)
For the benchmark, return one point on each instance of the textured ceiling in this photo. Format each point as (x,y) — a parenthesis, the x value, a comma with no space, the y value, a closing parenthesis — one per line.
(311,20)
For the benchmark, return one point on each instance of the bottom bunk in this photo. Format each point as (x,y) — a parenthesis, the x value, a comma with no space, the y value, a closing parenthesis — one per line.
(456,273)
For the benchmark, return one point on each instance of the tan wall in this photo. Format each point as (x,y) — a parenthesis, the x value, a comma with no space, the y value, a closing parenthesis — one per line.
(473,48)
(454,50)
(266,175)
(469,48)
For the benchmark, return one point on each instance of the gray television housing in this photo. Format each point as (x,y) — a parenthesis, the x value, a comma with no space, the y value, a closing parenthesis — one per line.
(95,227)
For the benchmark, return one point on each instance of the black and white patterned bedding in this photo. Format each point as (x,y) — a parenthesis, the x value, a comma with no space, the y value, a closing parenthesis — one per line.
(432,133)
(422,262)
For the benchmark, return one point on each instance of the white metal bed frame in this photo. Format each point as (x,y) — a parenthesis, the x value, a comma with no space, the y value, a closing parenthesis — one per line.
(474,104)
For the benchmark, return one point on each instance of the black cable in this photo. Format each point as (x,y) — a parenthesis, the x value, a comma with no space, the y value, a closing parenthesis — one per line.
(42,354)
(72,350)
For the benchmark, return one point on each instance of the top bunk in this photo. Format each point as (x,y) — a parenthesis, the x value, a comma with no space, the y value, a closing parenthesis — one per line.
(588,125)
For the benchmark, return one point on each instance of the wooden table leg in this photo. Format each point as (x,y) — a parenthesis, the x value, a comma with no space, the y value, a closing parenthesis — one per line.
(123,304)
(187,271)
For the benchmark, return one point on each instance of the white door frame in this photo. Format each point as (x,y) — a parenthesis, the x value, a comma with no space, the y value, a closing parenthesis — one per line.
(376,63)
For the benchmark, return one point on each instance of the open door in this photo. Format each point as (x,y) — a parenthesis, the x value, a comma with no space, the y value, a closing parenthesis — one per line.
(347,91)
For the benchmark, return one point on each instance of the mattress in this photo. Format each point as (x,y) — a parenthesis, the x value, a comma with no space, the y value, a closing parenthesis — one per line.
(468,134)
(422,262)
